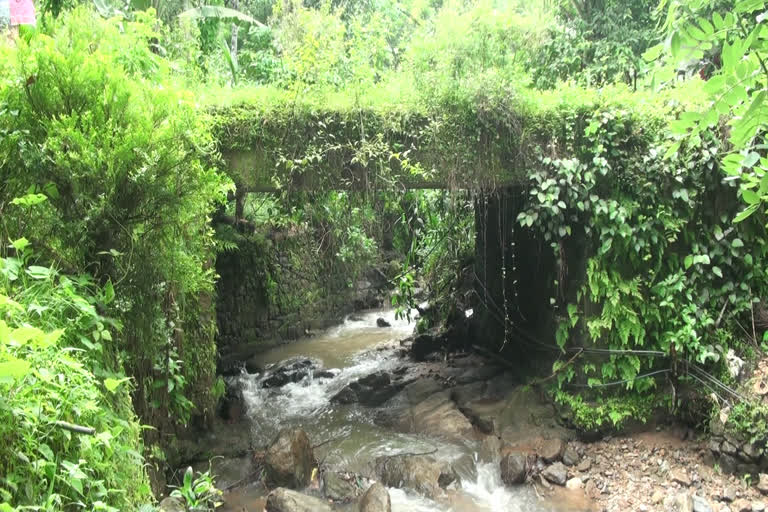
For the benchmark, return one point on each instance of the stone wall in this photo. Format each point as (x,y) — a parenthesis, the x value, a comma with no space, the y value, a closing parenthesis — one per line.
(733,453)
(278,287)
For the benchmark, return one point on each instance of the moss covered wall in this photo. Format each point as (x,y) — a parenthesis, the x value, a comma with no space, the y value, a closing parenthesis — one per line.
(279,287)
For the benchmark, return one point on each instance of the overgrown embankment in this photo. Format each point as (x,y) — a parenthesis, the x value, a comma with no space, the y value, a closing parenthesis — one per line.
(102,179)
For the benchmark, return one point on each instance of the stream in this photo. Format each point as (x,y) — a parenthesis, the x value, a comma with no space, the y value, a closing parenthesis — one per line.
(349,436)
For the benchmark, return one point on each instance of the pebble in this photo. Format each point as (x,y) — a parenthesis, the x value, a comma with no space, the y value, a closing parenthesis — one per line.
(758,506)
(574,483)
(701,504)
(679,476)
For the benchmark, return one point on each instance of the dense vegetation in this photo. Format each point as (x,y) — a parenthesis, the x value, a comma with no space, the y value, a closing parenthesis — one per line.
(634,130)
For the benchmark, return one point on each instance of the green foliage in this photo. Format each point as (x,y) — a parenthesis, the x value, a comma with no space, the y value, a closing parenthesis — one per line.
(91,118)
(607,414)
(750,421)
(198,492)
(437,232)
(726,43)
(594,42)
(59,362)
(662,263)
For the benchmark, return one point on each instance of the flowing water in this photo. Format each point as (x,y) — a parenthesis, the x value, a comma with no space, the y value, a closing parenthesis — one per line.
(350,438)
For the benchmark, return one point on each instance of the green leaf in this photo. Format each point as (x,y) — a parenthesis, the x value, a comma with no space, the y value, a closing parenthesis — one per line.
(113,384)
(717,20)
(746,213)
(13,369)
(29,200)
(37,272)
(653,53)
(688,261)
(750,196)
(675,45)
(109,292)
(716,270)
(22,335)
(750,159)
(737,243)
(20,244)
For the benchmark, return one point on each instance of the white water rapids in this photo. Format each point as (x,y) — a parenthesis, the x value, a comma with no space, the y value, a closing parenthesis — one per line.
(352,439)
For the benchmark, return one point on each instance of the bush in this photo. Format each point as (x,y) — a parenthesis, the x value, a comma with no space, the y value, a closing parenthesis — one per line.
(58,363)
(92,120)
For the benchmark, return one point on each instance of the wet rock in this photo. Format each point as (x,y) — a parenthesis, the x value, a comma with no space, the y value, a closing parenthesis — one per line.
(371,390)
(422,389)
(489,449)
(417,473)
(571,456)
(324,374)
(232,405)
(339,486)
(437,415)
(380,322)
(574,483)
(463,469)
(289,460)
(376,499)
(423,345)
(346,396)
(253,367)
(557,473)
(172,504)
(762,484)
(701,504)
(514,468)
(479,374)
(552,450)
(292,370)
(286,500)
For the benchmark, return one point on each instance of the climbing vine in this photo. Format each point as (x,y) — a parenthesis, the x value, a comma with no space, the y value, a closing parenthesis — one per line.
(664,267)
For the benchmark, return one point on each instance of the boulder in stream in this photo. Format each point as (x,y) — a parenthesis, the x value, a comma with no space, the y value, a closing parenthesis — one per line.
(371,390)
(380,322)
(489,449)
(514,468)
(417,473)
(376,499)
(291,370)
(289,460)
(339,486)
(436,415)
(286,500)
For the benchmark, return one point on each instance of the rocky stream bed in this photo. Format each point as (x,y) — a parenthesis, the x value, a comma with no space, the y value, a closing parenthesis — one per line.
(370,418)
